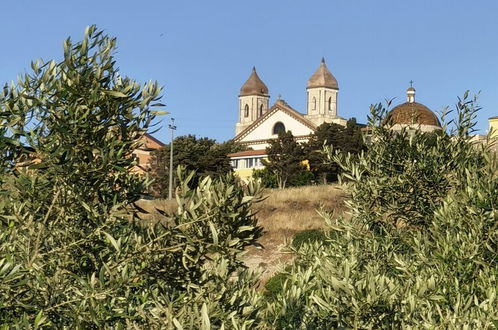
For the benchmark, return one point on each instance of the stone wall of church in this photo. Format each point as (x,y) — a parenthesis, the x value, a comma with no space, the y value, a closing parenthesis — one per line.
(250,109)
(321,105)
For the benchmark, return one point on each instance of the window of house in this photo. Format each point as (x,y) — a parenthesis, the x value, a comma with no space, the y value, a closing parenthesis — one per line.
(249,162)
(313,103)
(260,110)
(278,128)
(330,103)
(234,163)
(246,111)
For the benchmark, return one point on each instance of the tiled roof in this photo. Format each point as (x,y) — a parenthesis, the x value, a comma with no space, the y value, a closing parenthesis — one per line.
(246,153)
(410,113)
(254,85)
(150,137)
(323,78)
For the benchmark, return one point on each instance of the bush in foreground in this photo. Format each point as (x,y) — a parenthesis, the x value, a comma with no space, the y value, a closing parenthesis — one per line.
(73,253)
(421,248)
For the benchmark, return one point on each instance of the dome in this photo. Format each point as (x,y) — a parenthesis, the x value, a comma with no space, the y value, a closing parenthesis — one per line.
(254,85)
(410,113)
(323,78)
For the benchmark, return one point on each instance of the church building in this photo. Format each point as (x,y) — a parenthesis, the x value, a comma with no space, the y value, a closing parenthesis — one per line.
(259,123)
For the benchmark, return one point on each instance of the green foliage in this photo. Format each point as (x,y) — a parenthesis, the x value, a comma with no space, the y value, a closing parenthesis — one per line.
(307,236)
(117,271)
(82,121)
(202,155)
(285,157)
(301,177)
(436,269)
(346,139)
(406,175)
(275,285)
(267,178)
(73,253)
(285,164)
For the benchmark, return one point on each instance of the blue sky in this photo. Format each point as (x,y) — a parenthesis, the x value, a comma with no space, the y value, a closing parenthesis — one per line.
(203,51)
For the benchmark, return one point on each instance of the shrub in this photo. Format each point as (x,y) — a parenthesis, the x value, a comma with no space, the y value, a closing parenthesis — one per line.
(308,236)
(268,179)
(438,270)
(275,285)
(404,176)
(301,178)
(73,253)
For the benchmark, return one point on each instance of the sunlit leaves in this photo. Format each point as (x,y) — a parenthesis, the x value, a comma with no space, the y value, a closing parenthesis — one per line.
(420,249)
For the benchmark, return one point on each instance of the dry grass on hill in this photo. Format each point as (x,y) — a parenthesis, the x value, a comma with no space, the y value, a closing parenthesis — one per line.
(285,213)
(288,211)
(282,214)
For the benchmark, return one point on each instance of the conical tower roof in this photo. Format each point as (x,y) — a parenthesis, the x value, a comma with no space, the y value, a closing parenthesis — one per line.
(323,78)
(254,85)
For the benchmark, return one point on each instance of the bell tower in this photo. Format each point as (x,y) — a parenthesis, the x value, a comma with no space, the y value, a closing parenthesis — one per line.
(253,101)
(322,93)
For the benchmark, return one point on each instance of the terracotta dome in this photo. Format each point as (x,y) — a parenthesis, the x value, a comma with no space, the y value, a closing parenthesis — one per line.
(323,78)
(411,113)
(254,85)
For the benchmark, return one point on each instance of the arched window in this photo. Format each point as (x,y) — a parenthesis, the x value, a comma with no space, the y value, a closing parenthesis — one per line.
(278,128)
(246,111)
(260,110)
(330,103)
(313,103)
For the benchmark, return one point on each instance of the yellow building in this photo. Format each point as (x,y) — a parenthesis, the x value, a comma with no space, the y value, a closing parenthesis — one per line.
(245,162)
(493,126)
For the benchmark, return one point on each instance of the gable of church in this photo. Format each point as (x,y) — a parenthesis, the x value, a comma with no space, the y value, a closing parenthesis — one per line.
(280,117)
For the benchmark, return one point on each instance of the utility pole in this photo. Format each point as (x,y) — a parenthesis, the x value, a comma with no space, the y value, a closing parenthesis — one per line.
(172,127)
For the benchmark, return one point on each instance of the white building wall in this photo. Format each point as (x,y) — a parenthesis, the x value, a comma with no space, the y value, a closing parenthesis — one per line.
(265,130)
(422,128)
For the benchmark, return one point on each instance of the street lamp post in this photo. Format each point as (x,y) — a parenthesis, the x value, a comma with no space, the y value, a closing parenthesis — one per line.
(172,127)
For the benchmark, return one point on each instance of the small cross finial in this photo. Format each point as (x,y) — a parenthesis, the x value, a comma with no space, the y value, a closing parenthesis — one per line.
(279,96)
(411,83)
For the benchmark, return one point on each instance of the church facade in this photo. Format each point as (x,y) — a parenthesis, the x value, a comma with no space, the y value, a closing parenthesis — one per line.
(258,122)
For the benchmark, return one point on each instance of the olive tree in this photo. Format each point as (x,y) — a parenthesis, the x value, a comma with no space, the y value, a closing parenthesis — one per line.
(73,251)
(420,248)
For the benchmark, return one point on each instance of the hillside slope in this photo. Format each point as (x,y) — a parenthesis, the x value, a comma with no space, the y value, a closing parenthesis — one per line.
(285,213)
(282,214)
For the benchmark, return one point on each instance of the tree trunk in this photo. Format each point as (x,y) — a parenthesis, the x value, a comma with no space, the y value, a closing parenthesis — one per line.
(324,178)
